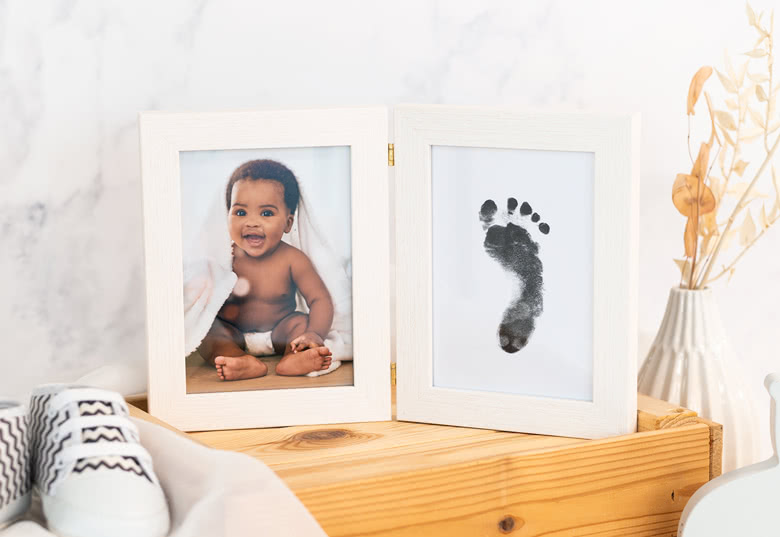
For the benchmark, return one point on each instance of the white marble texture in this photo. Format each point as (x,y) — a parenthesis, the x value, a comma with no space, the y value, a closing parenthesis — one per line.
(74,75)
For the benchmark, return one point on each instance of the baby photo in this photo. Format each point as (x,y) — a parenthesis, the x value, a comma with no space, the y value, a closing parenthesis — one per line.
(267,268)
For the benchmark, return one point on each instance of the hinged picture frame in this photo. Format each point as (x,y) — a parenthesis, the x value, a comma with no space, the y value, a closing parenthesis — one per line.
(555,356)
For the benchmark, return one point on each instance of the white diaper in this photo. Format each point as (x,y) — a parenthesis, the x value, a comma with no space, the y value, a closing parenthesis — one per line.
(259,343)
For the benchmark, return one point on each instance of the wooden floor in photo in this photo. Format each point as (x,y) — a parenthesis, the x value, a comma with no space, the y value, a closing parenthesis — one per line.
(399,479)
(202,378)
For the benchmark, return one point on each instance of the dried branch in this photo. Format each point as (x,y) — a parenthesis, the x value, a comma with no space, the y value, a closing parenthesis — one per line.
(739,208)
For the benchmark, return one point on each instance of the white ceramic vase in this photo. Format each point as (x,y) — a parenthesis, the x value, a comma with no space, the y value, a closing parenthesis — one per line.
(692,364)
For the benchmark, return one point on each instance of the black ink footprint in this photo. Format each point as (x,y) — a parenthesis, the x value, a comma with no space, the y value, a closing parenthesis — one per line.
(512,246)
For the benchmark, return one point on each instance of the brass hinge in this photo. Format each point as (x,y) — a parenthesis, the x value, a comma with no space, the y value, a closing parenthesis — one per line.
(392,374)
(391,154)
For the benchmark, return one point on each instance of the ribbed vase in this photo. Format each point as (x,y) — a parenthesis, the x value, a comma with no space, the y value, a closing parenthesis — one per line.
(692,364)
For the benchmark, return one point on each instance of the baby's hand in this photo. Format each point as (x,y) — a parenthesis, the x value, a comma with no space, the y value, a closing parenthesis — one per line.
(307,340)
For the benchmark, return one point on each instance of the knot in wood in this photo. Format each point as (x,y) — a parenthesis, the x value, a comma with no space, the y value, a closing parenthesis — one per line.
(319,438)
(321,435)
(508,524)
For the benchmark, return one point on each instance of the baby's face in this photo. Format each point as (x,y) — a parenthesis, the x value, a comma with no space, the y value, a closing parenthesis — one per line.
(258,216)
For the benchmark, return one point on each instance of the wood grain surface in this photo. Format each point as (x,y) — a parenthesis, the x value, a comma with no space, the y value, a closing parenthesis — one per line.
(409,479)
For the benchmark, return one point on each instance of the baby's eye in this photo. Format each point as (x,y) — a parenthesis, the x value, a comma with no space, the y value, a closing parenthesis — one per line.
(240,212)
(267,213)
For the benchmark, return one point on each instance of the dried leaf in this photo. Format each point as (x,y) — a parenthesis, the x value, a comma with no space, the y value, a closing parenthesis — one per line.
(731,104)
(707,201)
(684,196)
(714,131)
(774,126)
(731,273)
(725,120)
(685,268)
(739,167)
(743,100)
(681,194)
(758,78)
(728,85)
(690,237)
(741,73)
(762,218)
(728,139)
(756,53)
(755,115)
(761,94)
(751,14)
(702,162)
(697,83)
(747,232)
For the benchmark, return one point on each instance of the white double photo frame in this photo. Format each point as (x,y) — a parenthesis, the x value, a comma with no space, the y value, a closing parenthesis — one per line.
(464,323)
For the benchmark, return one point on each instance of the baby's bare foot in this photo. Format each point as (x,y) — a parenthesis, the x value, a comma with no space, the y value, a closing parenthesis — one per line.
(302,362)
(239,367)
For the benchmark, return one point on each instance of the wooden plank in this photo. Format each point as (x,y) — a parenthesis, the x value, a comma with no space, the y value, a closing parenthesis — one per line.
(408,479)
(619,486)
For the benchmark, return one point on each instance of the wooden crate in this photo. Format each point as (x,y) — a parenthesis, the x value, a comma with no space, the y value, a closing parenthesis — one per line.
(408,479)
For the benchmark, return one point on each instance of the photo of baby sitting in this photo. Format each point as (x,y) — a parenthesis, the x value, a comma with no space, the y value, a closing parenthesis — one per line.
(267,286)
(261,198)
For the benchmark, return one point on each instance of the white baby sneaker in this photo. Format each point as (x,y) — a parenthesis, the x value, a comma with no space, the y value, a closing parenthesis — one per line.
(15,484)
(94,477)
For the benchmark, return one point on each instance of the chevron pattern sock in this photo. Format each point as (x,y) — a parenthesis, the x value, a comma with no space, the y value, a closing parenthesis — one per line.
(15,482)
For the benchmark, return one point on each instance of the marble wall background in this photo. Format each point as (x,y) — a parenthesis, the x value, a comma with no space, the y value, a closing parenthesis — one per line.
(74,74)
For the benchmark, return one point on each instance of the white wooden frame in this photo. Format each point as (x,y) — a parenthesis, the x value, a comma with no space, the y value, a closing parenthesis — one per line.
(163,136)
(615,142)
